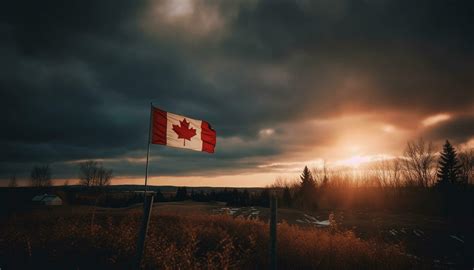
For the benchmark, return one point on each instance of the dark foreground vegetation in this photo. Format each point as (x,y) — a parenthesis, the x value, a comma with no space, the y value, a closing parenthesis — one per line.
(81,238)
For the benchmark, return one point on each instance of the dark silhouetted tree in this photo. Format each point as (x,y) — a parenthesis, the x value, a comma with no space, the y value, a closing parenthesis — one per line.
(307,190)
(234,197)
(325,174)
(12,183)
(466,159)
(87,172)
(41,176)
(287,198)
(181,194)
(449,169)
(104,177)
(245,198)
(307,180)
(419,163)
(264,198)
(93,174)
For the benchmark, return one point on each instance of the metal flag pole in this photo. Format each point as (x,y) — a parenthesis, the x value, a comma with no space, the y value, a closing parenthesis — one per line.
(148,147)
(147,202)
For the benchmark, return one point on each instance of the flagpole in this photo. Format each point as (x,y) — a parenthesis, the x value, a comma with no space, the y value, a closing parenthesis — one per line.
(147,203)
(148,147)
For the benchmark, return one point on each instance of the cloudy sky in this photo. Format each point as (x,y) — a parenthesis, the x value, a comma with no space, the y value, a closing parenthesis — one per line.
(284,83)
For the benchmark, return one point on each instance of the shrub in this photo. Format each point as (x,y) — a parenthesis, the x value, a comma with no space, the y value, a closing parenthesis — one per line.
(182,242)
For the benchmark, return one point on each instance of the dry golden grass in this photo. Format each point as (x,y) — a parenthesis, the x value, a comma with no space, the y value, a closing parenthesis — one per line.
(182,242)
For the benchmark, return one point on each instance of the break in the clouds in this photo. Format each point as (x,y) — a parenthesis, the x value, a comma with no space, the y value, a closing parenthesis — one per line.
(282,82)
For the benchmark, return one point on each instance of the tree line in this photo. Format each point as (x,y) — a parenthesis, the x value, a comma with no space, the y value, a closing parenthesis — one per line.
(231,196)
(419,166)
(420,179)
(91,174)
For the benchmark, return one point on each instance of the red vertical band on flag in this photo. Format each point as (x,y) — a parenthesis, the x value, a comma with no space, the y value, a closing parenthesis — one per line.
(159,123)
(208,137)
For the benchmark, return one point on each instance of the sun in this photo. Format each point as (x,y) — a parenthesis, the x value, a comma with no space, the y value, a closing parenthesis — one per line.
(354,161)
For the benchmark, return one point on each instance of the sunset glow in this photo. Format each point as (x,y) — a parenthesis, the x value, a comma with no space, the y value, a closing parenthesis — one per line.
(435,119)
(237,134)
(354,161)
(285,84)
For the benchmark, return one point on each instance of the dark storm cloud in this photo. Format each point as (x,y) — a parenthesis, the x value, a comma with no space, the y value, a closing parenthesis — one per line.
(413,53)
(77,76)
(459,129)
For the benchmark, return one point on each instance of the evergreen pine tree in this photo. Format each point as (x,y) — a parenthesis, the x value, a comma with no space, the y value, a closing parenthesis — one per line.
(307,180)
(307,189)
(449,168)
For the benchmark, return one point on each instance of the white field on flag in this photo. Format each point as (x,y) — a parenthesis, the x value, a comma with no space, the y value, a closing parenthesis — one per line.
(177,122)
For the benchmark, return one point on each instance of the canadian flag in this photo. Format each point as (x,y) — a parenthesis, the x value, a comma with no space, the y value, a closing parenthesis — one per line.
(180,131)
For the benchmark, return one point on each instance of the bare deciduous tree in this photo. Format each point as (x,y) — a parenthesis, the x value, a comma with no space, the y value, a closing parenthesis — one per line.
(382,172)
(12,183)
(396,172)
(104,176)
(87,172)
(466,158)
(321,175)
(388,172)
(93,174)
(41,176)
(280,182)
(419,160)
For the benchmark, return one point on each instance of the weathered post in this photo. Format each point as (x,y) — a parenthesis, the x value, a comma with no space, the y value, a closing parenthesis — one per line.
(273,232)
(144,228)
(147,203)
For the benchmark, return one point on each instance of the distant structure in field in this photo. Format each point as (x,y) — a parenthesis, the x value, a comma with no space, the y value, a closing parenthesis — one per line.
(47,199)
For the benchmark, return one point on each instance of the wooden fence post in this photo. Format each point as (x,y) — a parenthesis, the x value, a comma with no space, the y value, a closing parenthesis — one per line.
(273,232)
(144,228)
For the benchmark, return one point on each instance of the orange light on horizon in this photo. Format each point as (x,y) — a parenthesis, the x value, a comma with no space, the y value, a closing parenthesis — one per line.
(358,160)
(354,161)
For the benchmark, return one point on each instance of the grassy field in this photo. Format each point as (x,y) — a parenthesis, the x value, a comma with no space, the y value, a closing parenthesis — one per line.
(437,241)
(189,235)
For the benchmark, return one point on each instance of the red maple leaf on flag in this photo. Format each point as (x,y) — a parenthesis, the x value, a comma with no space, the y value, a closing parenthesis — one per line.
(184,131)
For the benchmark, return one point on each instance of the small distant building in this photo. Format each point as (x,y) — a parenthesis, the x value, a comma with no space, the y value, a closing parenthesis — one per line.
(47,199)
